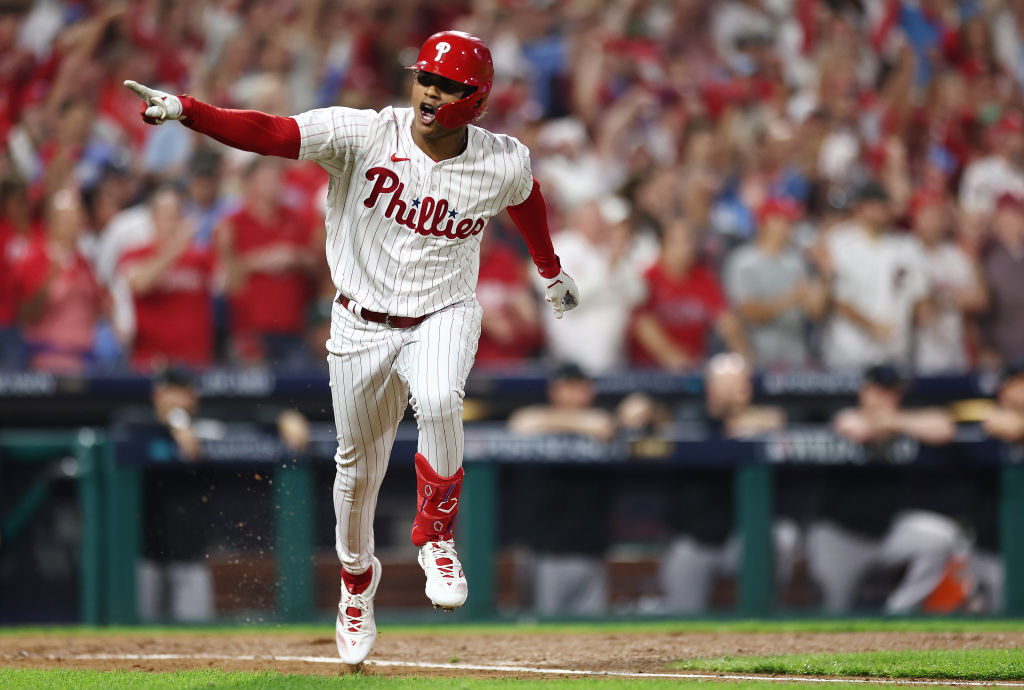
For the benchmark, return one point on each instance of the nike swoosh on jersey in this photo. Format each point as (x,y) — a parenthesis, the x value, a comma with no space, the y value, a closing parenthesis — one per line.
(396,159)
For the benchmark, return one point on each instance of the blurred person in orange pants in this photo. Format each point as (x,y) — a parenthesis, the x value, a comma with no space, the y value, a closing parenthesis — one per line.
(854,539)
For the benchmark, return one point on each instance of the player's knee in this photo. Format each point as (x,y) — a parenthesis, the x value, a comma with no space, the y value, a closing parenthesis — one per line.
(356,476)
(351,473)
(440,407)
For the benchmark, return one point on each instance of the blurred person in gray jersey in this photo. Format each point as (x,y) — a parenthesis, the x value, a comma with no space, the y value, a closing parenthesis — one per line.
(772,291)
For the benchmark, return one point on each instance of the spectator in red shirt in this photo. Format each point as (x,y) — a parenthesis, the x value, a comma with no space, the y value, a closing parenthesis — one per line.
(58,297)
(304,190)
(510,331)
(17,235)
(269,257)
(169,279)
(685,304)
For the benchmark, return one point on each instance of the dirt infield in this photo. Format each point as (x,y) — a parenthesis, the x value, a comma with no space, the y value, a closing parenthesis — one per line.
(623,652)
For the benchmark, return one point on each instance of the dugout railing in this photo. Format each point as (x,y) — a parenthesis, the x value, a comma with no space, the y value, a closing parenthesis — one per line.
(84,456)
(39,399)
(109,471)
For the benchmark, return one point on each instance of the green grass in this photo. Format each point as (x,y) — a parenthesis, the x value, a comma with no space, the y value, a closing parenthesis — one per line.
(180,680)
(938,625)
(961,664)
(983,664)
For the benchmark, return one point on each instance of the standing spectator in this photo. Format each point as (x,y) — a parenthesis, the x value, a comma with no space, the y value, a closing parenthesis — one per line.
(684,306)
(1003,267)
(940,339)
(169,280)
(1000,172)
(206,206)
(59,300)
(17,235)
(572,165)
(735,23)
(268,255)
(304,190)
(769,286)
(878,286)
(599,247)
(130,229)
(510,330)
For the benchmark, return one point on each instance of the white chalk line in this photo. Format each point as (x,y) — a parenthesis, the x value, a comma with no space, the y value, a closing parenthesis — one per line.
(502,668)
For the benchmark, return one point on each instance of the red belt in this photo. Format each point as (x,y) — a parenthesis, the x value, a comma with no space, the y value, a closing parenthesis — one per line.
(386,319)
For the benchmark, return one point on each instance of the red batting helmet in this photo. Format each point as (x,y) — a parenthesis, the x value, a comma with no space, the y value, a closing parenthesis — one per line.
(465,59)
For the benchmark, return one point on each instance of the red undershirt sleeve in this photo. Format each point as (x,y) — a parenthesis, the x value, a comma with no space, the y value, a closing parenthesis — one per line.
(531,217)
(249,130)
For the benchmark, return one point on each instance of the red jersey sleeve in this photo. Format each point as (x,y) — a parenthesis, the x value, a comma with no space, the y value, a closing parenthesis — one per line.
(531,217)
(249,130)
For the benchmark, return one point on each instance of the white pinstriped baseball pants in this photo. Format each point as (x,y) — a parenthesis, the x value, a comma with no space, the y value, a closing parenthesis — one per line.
(373,370)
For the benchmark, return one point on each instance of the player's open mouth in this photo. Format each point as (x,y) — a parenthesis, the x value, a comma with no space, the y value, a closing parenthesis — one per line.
(427,113)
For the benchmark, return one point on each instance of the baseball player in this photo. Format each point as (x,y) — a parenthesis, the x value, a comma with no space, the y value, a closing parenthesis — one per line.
(411,190)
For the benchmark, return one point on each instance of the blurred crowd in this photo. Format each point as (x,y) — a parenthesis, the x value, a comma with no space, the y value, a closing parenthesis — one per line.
(808,183)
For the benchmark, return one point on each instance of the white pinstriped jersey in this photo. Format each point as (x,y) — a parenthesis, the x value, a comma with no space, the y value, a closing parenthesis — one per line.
(403,231)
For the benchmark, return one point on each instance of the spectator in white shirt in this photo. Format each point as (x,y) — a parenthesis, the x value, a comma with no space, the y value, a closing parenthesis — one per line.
(1000,172)
(955,289)
(878,284)
(599,246)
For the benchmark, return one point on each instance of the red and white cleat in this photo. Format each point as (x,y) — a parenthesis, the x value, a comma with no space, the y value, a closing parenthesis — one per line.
(355,629)
(446,583)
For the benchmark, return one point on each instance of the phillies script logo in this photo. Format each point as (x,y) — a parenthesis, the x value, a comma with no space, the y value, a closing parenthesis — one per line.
(423,217)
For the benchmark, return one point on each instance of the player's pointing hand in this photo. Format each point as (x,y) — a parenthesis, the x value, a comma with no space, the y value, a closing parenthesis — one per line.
(158,106)
(562,293)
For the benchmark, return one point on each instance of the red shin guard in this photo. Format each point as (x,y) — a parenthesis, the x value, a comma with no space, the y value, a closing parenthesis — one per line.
(438,503)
